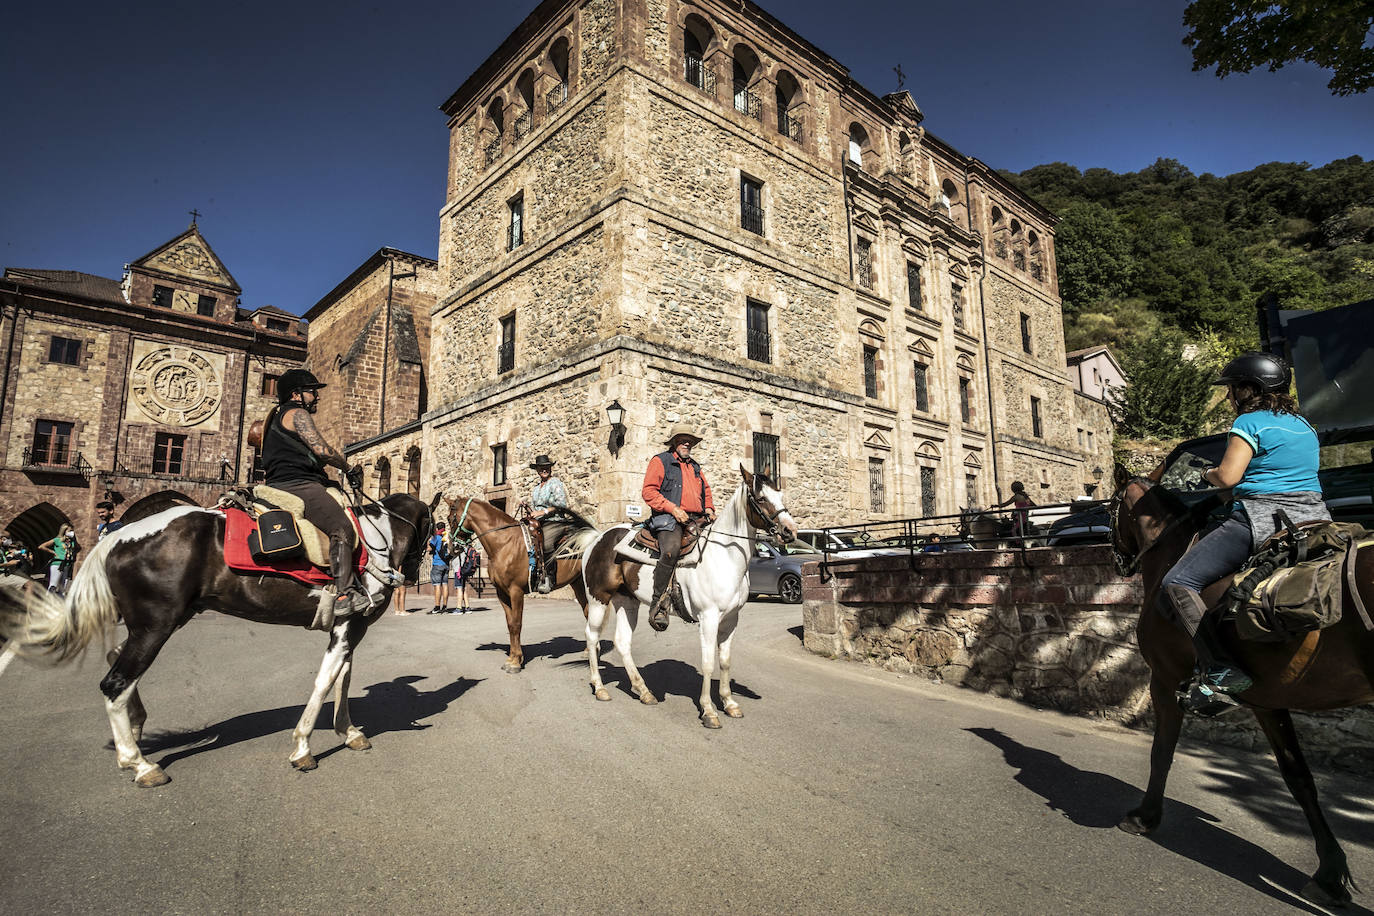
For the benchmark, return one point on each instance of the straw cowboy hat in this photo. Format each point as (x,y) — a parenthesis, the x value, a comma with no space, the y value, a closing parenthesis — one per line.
(543,461)
(683,430)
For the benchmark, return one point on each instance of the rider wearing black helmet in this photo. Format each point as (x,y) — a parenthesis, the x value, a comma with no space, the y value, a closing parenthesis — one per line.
(1270,464)
(294,457)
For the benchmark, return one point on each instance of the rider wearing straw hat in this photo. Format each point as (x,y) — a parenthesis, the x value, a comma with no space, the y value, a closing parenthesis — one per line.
(676,491)
(547,497)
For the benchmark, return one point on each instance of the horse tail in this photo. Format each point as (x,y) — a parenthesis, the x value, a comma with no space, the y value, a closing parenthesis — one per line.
(35,622)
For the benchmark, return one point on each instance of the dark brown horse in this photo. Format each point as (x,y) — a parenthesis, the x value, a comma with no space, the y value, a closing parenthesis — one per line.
(508,564)
(1326,669)
(157,573)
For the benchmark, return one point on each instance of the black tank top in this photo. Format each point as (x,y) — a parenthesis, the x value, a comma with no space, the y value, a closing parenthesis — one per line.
(285,456)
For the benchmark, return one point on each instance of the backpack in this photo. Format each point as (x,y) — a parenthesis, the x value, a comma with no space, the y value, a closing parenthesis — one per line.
(1293,585)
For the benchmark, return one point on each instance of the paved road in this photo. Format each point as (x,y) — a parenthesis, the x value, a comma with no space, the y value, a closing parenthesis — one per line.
(842,790)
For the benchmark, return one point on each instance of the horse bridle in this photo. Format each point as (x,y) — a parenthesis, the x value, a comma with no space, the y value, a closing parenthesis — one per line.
(416,546)
(1127,566)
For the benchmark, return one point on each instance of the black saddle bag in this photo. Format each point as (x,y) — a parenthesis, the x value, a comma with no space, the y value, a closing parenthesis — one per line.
(276,537)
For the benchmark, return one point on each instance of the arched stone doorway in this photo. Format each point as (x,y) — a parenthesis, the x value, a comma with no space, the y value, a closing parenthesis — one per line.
(154,503)
(37,524)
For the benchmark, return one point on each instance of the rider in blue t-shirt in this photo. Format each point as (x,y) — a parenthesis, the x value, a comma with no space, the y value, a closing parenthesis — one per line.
(1270,464)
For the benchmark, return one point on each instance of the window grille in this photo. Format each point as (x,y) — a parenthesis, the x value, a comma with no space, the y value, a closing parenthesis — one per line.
(515,233)
(871,371)
(498,464)
(956,295)
(64,350)
(751,205)
(505,360)
(965,401)
(1025,332)
(927,491)
(556,97)
(971,489)
(766,456)
(1036,429)
(913,285)
(493,151)
(877,490)
(789,125)
(922,387)
(863,269)
(748,102)
(759,341)
(522,125)
(1018,259)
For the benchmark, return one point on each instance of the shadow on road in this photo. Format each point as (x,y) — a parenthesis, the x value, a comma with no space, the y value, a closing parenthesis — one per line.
(670,677)
(557,647)
(1092,799)
(389,706)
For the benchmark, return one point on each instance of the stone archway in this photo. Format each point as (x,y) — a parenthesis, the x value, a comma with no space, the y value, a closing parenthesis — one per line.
(37,524)
(154,503)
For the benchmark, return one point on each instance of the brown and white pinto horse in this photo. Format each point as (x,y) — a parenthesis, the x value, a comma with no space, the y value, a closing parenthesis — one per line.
(1325,669)
(713,590)
(157,573)
(508,564)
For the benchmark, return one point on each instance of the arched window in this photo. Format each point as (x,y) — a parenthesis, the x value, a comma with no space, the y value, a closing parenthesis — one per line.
(495,114)
(383,470)
(1018,247)
(524,87)
(413,471)
(999,234)
(558,61)
(787,94)
(949,200)
(746,70)
(697,39)
(858,144)
(1037,263)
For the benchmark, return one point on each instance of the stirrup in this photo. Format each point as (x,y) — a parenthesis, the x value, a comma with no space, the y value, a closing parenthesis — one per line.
(1202,699)
(1228,679)
(658,612)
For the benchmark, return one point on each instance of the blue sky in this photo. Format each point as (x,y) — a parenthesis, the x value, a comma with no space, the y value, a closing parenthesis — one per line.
(309,135)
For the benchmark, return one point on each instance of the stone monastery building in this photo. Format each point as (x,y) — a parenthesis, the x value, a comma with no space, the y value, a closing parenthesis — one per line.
(137,390)
(691,212)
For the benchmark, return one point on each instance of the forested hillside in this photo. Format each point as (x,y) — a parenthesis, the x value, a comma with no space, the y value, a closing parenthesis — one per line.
(1155,260)
(1196,251)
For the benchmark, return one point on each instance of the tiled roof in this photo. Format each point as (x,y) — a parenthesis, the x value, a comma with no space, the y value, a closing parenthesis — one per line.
(69,283)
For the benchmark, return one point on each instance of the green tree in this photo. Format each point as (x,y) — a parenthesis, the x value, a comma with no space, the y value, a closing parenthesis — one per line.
(1094,255)
(1167,396)
(1236,36)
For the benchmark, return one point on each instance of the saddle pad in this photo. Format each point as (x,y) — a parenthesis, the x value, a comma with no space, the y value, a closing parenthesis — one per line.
(315,541)
(239,524)
(629,548)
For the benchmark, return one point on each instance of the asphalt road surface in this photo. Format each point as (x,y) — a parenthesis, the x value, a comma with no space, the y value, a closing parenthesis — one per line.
(842,790)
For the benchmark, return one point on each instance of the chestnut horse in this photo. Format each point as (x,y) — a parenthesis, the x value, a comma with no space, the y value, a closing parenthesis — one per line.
(508,564)
(1325,669)
(157,573)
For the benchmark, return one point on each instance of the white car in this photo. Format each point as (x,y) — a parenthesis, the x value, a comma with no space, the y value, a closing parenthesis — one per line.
(847,543)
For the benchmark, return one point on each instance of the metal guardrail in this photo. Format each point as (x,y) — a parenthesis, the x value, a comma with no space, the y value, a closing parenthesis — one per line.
(57,461)
(974,529)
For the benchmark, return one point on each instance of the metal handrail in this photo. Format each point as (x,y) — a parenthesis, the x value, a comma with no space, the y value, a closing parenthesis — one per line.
(66,461)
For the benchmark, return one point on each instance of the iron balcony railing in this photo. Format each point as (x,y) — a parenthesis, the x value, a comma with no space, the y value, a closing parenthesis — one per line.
(493,151)
(700,75)
(556,97)
(790,125)
(751,217)
(523,125)
(747,102)
(219,471)
(515,236)
(57,461)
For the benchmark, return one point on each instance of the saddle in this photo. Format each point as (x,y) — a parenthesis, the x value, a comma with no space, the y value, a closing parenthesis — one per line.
(259,499)
(640,546)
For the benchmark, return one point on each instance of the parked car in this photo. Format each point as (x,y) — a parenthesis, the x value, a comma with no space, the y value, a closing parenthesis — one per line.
(1087,526)
(774,571)
(846,543)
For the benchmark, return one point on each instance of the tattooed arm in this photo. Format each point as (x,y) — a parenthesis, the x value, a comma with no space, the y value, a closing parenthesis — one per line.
(304,425)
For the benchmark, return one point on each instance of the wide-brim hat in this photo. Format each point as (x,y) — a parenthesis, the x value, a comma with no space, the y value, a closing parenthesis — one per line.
(682,430)
(543,461)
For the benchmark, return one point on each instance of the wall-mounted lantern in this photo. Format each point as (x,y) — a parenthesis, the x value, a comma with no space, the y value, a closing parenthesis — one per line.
(616,414)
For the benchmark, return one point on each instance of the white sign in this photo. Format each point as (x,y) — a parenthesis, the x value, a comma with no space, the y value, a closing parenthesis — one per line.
(633,511)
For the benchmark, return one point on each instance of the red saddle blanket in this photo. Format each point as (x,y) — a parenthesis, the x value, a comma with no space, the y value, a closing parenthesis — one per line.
(239,524)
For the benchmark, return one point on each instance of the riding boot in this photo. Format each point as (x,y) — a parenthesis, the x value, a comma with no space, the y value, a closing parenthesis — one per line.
(1219,670)
(658,607)
(349,598)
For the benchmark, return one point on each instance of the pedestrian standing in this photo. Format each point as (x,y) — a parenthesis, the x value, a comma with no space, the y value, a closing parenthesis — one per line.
(464,564)
(104,511)
(438,569)
(64,550)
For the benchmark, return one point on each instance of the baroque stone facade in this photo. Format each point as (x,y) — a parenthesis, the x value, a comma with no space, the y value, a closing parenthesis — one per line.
(137,390)
(689,210)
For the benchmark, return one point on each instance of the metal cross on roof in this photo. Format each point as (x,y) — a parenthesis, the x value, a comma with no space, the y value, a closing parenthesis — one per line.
(195,215)
(901,77)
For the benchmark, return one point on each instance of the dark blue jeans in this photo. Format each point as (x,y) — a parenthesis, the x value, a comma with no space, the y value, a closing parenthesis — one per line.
(1221,553)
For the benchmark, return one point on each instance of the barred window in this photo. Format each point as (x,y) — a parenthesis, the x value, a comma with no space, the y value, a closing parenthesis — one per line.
(871,371)
(505,357)
(751,205)
(759,341)
(1036,428)
(921,370)
(498,464)
(863,266)
(927,491)
(766,456)
(913,285)
(877,488)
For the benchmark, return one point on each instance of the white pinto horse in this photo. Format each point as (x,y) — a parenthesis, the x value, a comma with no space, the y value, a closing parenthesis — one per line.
(713,590)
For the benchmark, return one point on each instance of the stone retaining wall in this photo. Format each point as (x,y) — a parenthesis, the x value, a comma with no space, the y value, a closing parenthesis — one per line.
(1055,628)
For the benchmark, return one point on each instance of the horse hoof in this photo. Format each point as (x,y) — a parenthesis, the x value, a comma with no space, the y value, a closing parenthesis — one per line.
(360,743)
(710,720)
(304,764)
(603,694)
(152,779)
(648,699)
(1135,825)
(512,668)
(734,712)
(1314,892)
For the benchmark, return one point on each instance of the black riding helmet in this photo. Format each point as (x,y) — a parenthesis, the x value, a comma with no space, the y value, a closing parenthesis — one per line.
(1265,370)
(293,380)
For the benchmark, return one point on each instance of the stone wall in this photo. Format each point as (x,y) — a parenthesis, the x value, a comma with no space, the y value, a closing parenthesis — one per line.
(1053,628)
